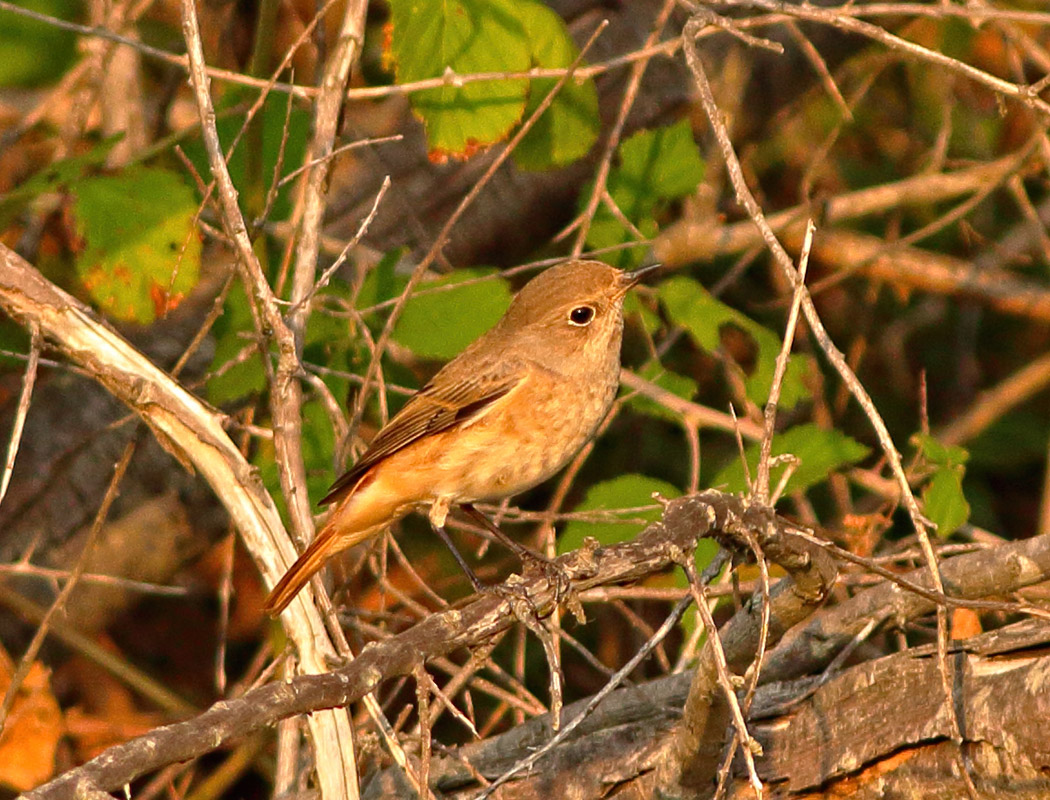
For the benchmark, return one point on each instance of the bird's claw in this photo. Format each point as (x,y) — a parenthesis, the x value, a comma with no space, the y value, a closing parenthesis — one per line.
(560,582)
(516,594)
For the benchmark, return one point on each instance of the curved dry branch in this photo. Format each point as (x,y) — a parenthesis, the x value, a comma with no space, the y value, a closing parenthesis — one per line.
(185,426)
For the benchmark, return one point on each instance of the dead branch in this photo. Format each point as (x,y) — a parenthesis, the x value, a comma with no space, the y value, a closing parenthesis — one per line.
(189,430)
(657,548)
(849,729)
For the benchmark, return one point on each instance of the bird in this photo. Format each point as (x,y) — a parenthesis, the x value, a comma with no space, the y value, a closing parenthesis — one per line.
(501,417)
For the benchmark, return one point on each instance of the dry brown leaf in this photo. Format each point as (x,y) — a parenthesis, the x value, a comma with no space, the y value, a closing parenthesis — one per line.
(107,713)
(33,728)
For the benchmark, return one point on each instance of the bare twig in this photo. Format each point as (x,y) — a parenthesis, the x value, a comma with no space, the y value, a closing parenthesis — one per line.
(28,381)
(834,355)
(770,416)
(610,685)
(714,646)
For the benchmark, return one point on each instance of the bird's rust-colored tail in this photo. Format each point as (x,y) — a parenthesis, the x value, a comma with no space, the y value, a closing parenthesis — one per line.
(380,498)
(355,519)
(329,541)
(312,559)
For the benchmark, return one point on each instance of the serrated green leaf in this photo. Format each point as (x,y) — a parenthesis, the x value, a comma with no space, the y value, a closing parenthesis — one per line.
(625,491)
(820,452)
(690,305)
(678,385)
(429,37)
(439,325)
(663,163)
(655,166)
(33,53)
(567,130)
(141,252)
(943,501)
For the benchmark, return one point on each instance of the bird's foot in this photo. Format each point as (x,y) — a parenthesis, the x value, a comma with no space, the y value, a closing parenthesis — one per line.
(515,592)
(558,578)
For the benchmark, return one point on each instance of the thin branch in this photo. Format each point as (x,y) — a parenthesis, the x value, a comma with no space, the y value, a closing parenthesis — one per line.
(834,355)
(643,652)
(770,415)
(24,397)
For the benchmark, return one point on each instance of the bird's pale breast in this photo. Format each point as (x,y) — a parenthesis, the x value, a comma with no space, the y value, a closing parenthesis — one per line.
(526,437)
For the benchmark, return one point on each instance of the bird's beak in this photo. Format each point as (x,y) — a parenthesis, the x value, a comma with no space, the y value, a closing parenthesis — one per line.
(630,279)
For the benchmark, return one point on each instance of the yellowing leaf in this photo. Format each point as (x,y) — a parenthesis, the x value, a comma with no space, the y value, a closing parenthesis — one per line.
(141,254)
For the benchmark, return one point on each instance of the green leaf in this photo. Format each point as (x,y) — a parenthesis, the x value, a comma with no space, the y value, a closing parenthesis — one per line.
(625,491)
(608,231)
(439,325)
(678,385)
(660,164)
(231,376)
(141,251)
(651,321)
(33,53)
(318,442)
(382,282)
(569,127)
(655,166)
(820,452)
(939,454)
(690,305)
(324,329)
(944,502)
(429,37)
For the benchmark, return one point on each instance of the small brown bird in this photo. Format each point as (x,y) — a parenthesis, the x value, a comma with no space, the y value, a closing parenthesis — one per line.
(504,415)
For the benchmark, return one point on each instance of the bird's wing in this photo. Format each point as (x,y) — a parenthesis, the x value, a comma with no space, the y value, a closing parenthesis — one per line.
(452,397)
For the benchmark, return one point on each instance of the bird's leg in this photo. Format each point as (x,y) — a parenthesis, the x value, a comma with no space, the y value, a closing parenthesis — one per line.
(475,581)
(556,576)
(515,594)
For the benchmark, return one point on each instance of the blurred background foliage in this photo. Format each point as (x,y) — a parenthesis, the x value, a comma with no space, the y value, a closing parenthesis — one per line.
(102,187)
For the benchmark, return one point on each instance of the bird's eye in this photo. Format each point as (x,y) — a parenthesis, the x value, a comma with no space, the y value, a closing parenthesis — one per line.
(581,315)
